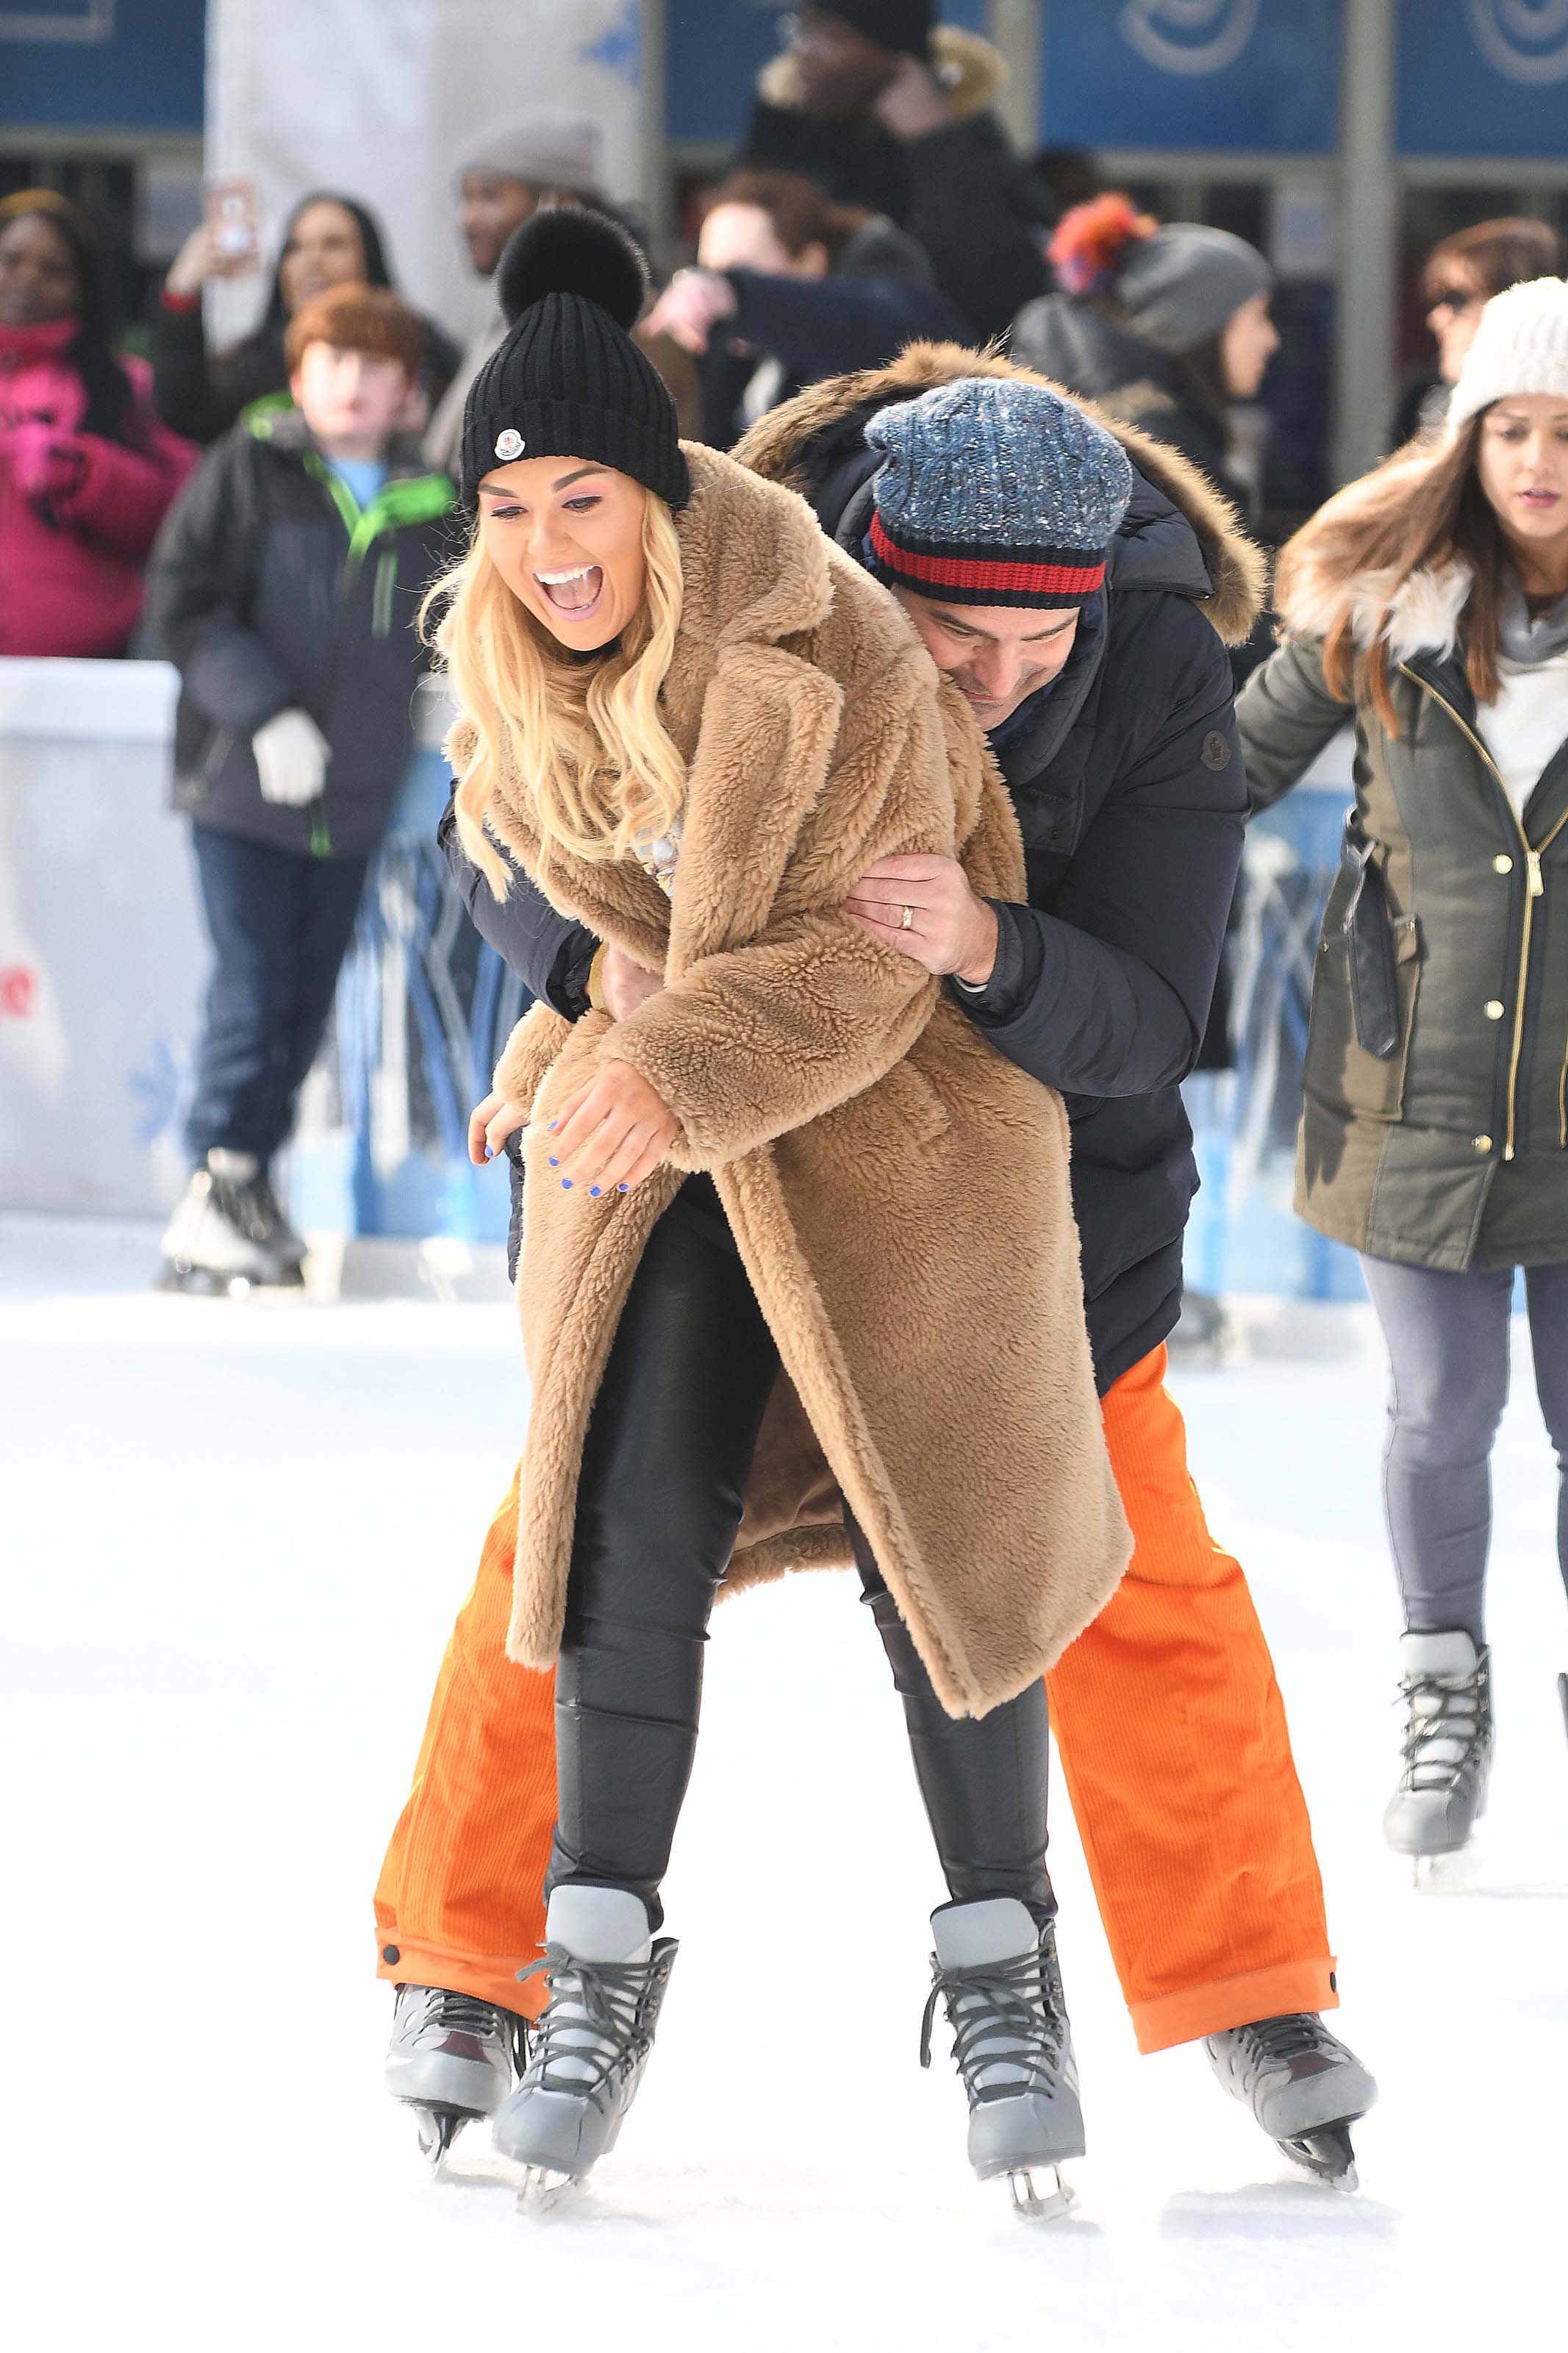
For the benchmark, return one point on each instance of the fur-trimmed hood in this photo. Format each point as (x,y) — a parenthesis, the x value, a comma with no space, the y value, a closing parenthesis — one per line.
(778,447)
(973,72)
(1319,584)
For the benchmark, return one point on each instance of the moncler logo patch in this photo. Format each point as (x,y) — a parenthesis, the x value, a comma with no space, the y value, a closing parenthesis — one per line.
(1217,750)
(509,444)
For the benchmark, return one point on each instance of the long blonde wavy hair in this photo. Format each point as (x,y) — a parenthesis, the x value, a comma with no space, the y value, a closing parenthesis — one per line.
(587,735)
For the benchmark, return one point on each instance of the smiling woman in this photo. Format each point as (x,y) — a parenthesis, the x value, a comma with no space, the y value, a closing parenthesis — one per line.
(694,724)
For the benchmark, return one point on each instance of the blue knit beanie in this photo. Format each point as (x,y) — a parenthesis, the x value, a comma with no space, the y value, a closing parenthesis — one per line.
(994,490)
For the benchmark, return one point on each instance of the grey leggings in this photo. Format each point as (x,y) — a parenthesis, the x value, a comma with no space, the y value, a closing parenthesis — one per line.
(1448,1350)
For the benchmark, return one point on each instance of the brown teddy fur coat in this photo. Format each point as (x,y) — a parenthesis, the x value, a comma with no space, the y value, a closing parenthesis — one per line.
(898,1190)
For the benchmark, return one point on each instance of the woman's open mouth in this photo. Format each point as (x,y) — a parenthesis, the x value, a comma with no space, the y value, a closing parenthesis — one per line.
(577,593)
(1540,502)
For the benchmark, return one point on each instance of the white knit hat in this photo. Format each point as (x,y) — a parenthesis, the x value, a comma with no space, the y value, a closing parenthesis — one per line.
(1521,345)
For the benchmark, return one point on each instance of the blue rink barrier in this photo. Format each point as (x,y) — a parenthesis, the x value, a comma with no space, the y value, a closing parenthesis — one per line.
(1244,1234)
(424,1008)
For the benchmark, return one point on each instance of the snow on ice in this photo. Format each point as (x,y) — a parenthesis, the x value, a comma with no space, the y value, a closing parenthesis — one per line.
(235,1536)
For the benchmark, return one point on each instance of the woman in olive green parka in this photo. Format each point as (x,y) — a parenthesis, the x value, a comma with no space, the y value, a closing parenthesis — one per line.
(1433,597)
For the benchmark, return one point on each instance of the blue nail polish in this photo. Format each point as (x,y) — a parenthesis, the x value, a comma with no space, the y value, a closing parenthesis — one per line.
(489,1154)
(553,1125)
(566,1184)
(554,1161)
(622,1189)
(594,1191)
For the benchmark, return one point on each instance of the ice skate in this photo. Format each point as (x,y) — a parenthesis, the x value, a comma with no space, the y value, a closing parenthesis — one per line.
(586,2055)
(996,1974)
(451,2058)
(1446,1684)
(1303,2087)
(229,1234)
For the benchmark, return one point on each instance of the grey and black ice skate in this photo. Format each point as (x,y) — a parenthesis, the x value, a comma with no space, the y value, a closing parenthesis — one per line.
(229,1234)
(587,2055)
(1303,2087)
(451,2058)
(996,1974)
(1445,1683)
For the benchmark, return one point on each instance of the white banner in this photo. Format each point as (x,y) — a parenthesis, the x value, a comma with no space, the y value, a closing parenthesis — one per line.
(378,98)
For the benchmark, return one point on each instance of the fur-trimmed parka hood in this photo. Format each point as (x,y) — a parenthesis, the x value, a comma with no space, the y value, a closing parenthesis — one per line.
(1320,582)
(973,72)
(1212,560)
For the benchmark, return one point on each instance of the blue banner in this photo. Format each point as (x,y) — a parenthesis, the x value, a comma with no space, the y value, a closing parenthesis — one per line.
(137,65)
(1483,77)
(1261,74)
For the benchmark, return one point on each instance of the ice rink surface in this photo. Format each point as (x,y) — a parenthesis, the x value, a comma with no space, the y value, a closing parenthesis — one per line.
(235,1536)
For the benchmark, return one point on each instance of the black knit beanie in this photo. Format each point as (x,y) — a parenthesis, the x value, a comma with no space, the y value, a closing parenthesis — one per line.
(569,381)
(902,26)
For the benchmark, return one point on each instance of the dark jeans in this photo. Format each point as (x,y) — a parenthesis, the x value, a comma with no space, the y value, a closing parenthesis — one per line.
(280,927)
(1447,1351)
(665,1468)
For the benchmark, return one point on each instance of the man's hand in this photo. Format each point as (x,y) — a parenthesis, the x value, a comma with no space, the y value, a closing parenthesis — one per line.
(613,1134)
(691,307)
(949,928)
(625,984)
(912,104)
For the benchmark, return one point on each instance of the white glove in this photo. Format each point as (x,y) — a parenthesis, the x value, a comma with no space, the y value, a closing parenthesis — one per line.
(292,755)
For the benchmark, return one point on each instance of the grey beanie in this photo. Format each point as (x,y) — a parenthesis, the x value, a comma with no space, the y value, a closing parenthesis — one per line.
(546,147)
(1178,287)
(994,491)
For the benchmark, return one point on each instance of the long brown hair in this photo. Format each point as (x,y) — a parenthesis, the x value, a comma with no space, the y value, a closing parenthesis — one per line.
(1423,507)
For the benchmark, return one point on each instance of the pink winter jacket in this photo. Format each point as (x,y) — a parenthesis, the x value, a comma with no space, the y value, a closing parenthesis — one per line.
(77,514)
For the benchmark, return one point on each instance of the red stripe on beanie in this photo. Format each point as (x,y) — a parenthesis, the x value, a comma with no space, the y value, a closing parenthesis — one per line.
(1009,576)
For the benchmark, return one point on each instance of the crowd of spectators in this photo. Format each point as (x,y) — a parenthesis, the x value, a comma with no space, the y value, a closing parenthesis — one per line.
(874,200)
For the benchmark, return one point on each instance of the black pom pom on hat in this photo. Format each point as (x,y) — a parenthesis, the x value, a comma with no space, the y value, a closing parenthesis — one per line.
(568,381)
(568,250)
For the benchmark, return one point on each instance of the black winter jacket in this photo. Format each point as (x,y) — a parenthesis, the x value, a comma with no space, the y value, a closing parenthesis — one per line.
(1131,798)
(268,590)
(977,208)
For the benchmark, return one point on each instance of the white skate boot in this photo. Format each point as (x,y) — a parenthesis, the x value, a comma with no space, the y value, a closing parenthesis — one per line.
(587,2055)
(1305,2089)
(996,1974)
(451,2058)
(229,1234)
(1442,1794)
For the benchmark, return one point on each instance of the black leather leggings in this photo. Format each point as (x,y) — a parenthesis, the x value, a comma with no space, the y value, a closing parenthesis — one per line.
(665,1467)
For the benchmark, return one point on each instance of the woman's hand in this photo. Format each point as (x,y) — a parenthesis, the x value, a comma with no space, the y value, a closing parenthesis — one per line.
(489,1124)
(612,1133)
(691,308)
(201,257)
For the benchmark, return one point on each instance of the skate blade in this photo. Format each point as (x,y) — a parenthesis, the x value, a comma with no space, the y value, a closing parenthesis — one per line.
(541,2188)
(1327,2156)
(1040,2193)
(438,2128)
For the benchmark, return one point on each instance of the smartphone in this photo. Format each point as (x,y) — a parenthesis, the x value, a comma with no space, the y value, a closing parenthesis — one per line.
(231,216)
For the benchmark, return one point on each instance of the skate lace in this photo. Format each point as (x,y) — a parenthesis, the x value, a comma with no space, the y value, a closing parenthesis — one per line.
(464,2013)
(607,1996)
(1276,2041)
(1441,1709)
(1018,1997)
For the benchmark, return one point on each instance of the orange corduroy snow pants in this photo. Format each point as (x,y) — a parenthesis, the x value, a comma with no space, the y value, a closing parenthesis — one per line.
(1169,1725)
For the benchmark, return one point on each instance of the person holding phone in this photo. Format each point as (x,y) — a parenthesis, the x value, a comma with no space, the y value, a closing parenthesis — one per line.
(328,240)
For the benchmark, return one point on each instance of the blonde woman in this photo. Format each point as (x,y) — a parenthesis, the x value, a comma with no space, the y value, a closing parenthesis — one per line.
(766,1323)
